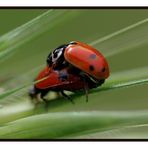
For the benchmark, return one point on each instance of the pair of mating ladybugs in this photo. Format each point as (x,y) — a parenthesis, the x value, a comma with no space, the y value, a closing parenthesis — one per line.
(72,67)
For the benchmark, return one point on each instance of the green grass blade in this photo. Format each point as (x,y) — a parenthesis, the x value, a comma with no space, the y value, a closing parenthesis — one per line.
(13,39)
(137,131)
(124,39)
(65,124)
(5,94)
(107,37)
(126,84)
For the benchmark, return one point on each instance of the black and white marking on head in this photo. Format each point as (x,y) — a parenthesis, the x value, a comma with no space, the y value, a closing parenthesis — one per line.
(56,54)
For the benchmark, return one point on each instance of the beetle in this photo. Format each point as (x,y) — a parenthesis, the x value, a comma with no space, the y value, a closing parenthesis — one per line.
(73,67)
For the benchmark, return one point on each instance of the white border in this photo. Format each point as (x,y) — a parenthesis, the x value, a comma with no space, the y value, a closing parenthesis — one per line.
(73,2)
(73,144)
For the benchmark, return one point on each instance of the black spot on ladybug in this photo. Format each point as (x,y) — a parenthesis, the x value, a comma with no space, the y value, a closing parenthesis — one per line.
(103,69)
(92,56)
(91,68)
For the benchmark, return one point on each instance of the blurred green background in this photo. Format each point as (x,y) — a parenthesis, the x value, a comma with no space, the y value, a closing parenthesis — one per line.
(86,25)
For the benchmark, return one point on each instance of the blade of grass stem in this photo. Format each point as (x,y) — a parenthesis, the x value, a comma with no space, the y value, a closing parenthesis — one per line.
(13,39)
(65,124)
(100,40)
(123,39)
(126,132)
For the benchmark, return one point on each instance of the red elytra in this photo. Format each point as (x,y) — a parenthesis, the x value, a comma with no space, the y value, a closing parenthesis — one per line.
(47,77)
(51,79)
(88,59)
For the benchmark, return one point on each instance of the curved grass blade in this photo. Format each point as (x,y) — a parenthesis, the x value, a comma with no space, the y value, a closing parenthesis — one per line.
(124,39)
(5,94)
(65,124)
(26,77)
(136,131)
(100,40)
(13,39)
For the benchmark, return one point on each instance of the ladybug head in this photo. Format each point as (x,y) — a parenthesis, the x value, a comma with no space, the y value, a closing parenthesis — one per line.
(57,56)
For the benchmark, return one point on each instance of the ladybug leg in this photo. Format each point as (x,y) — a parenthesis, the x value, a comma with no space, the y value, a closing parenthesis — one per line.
(33,93)
(46,103)
(36,95)
(86,87)
(86,91)
(67,97)
(43,94)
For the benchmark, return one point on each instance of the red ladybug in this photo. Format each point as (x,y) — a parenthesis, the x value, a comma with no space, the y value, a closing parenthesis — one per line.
(74,66)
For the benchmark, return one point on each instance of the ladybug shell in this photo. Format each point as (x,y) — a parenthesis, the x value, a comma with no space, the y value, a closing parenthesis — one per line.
(49,78)
(87,59)
(46,78)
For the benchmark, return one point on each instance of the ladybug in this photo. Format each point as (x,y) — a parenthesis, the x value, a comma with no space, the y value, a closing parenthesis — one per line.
(72,67)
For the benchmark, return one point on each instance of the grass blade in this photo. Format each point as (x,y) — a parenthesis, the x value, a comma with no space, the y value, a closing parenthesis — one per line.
(65,124)
(118,32)
(10,41)
(124,39)
(137,131)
